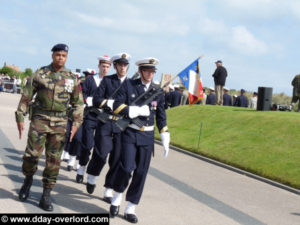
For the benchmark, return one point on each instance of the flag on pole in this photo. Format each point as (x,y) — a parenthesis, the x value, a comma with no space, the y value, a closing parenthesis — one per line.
(190,78)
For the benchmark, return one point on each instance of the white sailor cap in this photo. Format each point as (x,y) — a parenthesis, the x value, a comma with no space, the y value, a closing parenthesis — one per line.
(149,62)
(212,89)
(171,86)
(91,71)
(225,88)
(176,85)
(104,59)
(122,57)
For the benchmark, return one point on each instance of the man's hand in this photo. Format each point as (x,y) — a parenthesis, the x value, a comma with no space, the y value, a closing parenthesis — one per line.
(73,132)
(20,128)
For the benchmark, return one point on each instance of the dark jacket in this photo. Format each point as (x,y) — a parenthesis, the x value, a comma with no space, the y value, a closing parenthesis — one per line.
(220,75)
(227,100)
(109,86)
(241,101)
(175,98)
(130,90)
(211,99)
(89,88)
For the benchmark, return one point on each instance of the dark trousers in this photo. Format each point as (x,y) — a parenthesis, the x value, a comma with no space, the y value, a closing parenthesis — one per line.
(108,143)
(68,134)
(75,147)
(134,159)
(88,129)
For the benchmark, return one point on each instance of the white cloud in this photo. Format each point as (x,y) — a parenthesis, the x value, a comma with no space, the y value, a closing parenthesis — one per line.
(244,41)
(96,21)
(208,26)
(136,24)
(257,9)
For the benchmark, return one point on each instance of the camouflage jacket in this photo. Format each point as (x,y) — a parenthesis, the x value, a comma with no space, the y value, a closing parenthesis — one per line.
(54,92)
(296,85)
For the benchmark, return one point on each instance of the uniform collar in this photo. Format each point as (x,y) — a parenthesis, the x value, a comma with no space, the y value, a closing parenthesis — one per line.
(139,81)
(64,69)
(122,79)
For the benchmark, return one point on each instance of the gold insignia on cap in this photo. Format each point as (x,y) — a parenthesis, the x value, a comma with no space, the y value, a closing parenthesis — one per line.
(151,61)
(124,56)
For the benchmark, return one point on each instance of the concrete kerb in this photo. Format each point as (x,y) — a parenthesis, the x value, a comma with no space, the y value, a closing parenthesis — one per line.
(234,169)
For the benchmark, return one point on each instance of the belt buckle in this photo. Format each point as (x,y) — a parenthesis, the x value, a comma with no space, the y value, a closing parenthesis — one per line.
(142,128)
(114,118)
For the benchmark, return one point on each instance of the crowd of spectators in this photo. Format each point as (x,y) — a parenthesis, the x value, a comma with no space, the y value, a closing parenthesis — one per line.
(179,96)
(10,84)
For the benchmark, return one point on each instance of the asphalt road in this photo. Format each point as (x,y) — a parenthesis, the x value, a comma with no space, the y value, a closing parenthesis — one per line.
(179,189)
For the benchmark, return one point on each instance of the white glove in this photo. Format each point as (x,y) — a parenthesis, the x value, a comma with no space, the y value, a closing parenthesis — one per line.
(165,139)
(110,103)
(135,111)
(89,101)
(144,110)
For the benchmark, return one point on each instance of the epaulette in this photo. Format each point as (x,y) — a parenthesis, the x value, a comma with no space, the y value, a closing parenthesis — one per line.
(43,70)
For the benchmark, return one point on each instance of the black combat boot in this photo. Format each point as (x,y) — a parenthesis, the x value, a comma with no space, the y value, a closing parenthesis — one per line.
(45,202)
(24,192)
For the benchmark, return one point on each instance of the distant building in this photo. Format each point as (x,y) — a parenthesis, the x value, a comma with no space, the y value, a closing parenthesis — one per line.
(12,66)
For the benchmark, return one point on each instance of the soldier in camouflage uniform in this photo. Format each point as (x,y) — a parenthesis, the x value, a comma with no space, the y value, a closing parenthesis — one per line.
(296,91)
(55,87)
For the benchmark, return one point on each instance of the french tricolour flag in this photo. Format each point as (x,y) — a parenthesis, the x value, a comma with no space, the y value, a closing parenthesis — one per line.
(190,78)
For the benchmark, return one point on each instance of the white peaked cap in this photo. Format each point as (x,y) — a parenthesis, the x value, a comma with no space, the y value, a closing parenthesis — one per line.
(123,55)
(149,61)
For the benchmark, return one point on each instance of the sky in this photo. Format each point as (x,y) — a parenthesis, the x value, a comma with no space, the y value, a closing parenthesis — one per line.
(257,40)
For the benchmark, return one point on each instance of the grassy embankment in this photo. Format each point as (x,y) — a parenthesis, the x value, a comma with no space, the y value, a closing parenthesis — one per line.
(265,143)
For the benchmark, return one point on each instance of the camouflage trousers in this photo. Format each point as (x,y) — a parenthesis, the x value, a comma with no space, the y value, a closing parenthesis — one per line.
(51,136)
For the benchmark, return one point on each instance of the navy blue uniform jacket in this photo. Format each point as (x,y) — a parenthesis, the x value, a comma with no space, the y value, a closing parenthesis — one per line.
(129,91)
(227,100)
(89,88)
(242,101)
(107,87)
(175,98)
(211,99)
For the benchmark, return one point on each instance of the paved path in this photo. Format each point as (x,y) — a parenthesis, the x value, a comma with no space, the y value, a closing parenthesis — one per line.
(179,190)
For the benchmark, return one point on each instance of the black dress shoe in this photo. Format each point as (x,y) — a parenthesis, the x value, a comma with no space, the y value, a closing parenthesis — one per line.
(107,199)
(69,168)
(114,210)
(24,192)
(90,188)
(130,218)
(79,178)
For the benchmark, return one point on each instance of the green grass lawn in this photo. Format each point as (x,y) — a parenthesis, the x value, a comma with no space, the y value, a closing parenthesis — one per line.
(266,143)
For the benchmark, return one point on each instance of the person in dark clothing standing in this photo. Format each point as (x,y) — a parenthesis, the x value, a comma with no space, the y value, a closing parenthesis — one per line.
(227,100)
(296,91)
(242,100)
(219,76)
(211,98)
(175,96)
